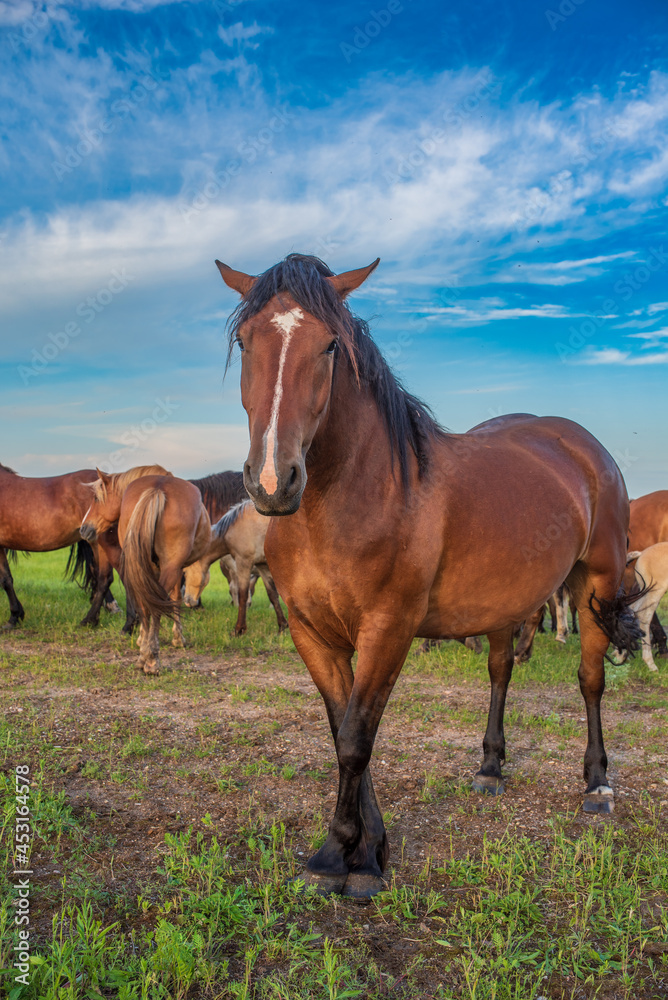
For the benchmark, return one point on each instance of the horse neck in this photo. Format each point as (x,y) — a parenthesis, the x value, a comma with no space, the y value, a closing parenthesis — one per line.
(351,444)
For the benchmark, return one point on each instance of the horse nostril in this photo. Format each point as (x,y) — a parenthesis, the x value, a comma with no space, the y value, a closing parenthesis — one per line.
(294,473)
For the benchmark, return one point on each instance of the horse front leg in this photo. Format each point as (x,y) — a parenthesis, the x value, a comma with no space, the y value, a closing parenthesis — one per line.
(561,600)
(355,853)
(500,665)
(105,576)
(272,594)
(16,612)
(243,579)
(525,644)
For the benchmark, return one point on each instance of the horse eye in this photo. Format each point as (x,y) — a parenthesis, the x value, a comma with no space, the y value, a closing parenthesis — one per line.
(332,347)
(240,344)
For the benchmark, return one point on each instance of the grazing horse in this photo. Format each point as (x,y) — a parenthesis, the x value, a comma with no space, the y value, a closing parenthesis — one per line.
(404,530)
(163,526)
(220,491)
(240,534)
(651,573)
(44,514)
(648,525)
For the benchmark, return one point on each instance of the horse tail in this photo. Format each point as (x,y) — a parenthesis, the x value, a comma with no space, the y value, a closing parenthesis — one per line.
(617,620)
(630,556)
(138,563)
(13,554)
(81,566)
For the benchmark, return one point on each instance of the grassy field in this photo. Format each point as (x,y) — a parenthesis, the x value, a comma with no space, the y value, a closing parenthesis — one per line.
(172,817)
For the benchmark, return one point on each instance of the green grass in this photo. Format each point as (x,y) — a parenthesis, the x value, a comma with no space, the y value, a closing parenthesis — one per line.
(211,906)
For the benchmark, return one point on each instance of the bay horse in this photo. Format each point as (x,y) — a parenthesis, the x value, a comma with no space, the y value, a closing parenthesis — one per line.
(163,526)
(240,533)
(385,527)
(41,514)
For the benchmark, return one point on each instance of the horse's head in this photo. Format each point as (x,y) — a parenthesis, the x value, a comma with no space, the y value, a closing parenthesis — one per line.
(104,510)
(197,576)
(288,326)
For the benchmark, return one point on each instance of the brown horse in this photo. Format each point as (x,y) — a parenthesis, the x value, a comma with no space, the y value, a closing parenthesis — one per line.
(107,535)
(163,526)
(240,533)
(648,525)
(221,491)
(403,530)
(44,514)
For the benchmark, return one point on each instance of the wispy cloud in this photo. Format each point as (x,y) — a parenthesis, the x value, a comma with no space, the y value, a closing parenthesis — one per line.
(614,356)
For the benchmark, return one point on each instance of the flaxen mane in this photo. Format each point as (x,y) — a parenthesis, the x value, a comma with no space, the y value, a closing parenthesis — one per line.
(117,483)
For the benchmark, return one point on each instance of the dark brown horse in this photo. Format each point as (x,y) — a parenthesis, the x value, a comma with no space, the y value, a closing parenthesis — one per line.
(220,492)
(44,514)
(648,525)
(403,530)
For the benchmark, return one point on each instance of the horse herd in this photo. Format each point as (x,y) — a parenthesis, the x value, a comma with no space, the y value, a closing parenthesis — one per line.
(375,525)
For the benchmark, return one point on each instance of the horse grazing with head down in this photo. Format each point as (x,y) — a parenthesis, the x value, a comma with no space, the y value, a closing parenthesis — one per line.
(384,527)
(239,534)
(162,527)
(44,514)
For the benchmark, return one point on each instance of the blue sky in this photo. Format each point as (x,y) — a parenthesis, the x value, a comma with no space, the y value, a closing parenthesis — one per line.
(507,162)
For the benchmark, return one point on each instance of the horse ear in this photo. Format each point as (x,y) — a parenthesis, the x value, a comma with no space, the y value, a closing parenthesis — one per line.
(102,476)
(240,282)
(350,280)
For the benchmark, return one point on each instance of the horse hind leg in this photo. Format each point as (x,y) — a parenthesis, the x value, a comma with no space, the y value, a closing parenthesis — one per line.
(500,664)
(561,603)
(525,645)
(659,636)
(16,612)
(594,642)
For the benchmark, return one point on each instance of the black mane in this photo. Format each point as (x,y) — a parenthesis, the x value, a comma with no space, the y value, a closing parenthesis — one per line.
(220,491)
(408,421)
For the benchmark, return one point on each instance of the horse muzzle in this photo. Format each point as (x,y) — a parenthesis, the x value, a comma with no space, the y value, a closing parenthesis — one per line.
(286,498)
(88,532)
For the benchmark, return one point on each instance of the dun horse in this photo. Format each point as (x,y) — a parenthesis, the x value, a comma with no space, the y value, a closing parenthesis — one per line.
(240,534)
(651,572)
(43,514)
(403,530)
(162,527)
(648,525)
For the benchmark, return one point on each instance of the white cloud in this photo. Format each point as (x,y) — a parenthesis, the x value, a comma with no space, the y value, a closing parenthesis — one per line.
(613,356)
(187,450)
(471,315)
(242,34)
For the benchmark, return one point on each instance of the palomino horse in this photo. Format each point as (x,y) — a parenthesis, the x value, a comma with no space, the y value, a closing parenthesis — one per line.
(403,530)
(558,605)
(651,573)
(163,526)
(240,534)
(43,514)
(107,536)
(648,525)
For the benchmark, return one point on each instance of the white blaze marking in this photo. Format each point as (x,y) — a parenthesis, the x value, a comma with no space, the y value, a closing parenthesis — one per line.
(286,322)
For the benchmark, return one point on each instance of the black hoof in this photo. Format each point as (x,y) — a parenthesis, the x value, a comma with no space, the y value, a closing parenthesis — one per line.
(488,784)
(600,800)
(323,885)
(360,885)
(89,622)
(8,626)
